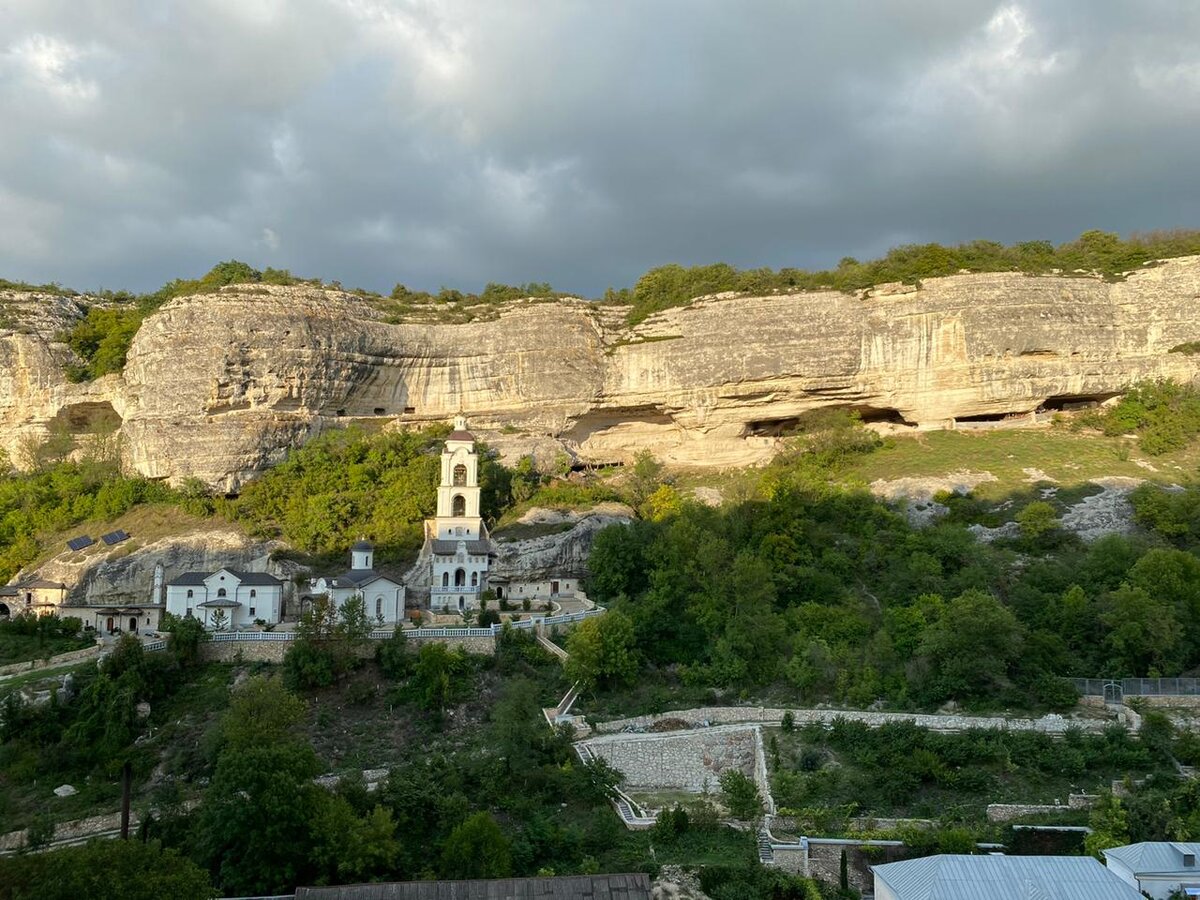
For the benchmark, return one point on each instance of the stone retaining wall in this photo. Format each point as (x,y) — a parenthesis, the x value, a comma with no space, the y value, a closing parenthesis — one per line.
(62,659)
(718,715)
(690,761)
(824,861)
(1007,812)
(273,651)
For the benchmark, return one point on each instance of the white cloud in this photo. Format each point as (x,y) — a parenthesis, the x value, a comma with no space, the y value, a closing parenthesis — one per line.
(53,64)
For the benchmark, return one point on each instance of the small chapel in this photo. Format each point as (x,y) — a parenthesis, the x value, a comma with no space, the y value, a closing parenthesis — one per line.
(457,541)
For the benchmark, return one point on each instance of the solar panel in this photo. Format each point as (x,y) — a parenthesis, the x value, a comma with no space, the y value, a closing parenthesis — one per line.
(114,537)
(80,542)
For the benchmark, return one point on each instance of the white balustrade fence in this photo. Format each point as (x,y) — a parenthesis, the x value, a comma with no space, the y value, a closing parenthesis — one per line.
(385,634)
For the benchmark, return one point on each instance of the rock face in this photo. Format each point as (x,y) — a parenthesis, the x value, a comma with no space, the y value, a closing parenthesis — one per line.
(219,386)
(121,577)
(560,555)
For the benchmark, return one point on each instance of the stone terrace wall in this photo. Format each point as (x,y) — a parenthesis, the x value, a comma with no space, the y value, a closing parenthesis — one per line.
(688,761)
(61,660)
(721,715)
(824,861)
(273,651)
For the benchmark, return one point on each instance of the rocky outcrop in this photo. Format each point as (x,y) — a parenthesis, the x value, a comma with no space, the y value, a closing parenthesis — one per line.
(118,575)
(561,554)
(221,385)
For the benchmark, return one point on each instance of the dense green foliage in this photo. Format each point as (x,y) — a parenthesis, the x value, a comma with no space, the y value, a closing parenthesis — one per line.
(25,637)
(104,870)
(87,738)
(1164,415)
(37,504)
(828,591)
(1096,252)
(347,485)
(826,775)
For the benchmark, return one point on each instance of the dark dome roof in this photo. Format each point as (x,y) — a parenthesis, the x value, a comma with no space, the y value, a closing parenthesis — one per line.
(363,545)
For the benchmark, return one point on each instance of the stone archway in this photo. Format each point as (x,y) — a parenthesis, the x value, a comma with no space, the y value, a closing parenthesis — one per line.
(4,611)
(458,505)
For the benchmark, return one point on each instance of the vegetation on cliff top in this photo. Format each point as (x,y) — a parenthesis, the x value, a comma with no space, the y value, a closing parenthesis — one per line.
(1094,252)
(101,340)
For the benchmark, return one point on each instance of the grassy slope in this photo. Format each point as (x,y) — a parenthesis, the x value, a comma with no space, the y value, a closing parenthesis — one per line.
(145,524)
(1070,458)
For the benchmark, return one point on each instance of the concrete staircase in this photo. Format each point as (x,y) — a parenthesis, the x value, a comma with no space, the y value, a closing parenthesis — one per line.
(766,855)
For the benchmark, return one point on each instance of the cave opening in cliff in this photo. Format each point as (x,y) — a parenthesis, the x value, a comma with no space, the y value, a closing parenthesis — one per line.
(93,417)
(1072,402)
(874,415)
(983,418)
(818,419)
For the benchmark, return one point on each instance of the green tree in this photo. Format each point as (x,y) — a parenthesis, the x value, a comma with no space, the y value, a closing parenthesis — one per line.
(1142,633)
(253,829)
(262,712)
(477,848)
(602,652)
(104,870)
(1037,518)
(740,795)
(969,650)
(1109,824)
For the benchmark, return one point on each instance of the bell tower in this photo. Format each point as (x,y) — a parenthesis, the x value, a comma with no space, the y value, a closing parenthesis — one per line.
(458,493)
(460,551)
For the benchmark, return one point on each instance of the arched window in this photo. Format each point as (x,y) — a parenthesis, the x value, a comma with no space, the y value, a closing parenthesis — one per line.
(189,596)
(253,592)
(379,607)
(220,592)
(458,506)
(445,579)
(460,475)
(474,579)
(460,577)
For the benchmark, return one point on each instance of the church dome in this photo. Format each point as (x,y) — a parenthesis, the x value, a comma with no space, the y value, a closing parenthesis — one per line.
(363,545)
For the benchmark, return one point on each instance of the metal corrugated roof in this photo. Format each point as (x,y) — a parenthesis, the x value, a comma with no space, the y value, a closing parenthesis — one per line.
(569,887)
(1157,857)
(947,877)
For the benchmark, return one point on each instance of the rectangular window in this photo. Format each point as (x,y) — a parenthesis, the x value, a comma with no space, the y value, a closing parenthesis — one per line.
(252,610)
(189,611)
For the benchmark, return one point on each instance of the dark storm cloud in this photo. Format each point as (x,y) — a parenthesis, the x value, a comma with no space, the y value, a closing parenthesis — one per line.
(581,143)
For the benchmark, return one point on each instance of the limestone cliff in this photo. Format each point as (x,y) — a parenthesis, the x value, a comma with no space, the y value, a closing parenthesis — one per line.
(219,386)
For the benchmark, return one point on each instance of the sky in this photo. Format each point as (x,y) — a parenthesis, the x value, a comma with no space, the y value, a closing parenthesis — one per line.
(455,142)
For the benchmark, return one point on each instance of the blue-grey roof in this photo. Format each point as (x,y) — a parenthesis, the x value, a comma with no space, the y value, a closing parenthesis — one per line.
(362,545)
(947,877)
(190,578)
(1158,857)
(257,578)
(221,601)
(450,547)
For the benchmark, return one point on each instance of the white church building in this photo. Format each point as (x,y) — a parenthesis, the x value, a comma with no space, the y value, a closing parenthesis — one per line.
(382,595)
(227,598)
(457,541)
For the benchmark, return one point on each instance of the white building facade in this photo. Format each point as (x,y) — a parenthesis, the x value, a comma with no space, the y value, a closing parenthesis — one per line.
(226,598)
(383,596)
(457,539)
(1157,868)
